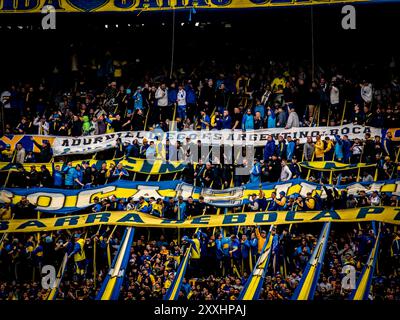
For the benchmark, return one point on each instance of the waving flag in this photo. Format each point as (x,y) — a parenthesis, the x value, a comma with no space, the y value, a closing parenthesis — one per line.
(112,283)
(308,283)
(252,288)
(363,286)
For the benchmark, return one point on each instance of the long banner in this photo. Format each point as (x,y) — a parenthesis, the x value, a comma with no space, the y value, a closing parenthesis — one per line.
(31,6)
(256,138)
(61,201)
(156,167)
(135,219)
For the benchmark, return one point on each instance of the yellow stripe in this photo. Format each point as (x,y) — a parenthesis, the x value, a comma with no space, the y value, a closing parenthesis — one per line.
(180,275)
(255,280)
(114,275)
(308,281)
(362,286)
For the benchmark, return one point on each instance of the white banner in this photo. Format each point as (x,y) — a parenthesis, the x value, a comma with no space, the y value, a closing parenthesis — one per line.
(257,138)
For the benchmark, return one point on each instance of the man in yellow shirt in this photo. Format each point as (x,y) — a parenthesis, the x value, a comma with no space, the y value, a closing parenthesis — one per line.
(309,202)
(261,238)
(329,149)
(319,149)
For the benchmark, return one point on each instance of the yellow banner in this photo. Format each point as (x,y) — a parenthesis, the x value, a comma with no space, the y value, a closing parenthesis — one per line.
(31,6)
(135,219)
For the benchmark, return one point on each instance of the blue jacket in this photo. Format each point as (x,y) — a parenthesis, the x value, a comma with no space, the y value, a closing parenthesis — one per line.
(172,96)
(261,109)
(272,206)
(245,249)
(138,100)
(290,150)
(254,246)
(190,95)
(387,146)
(219,252)
(248,122)
(269,149)
(271,123)
(77,175)
(338,147)
(346,149)
(235,244)
(255,174)
(57,177)
(69,176)
(281,149)
(226,122)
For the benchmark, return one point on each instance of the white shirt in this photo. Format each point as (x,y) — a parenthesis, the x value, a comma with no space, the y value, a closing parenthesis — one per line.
(2,98)
(182,98)
(162,97)
(43,128)
(334,95)
(366,93)
(286,174)
(375,201)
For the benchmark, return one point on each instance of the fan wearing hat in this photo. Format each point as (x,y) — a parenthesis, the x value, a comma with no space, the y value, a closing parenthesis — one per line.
(281,202)
(6,154)
(261,238)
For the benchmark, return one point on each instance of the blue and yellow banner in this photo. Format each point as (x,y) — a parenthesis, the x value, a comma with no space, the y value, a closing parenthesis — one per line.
(137,219)
(12,140)
(31,6)
(308,283)
(62,201)
(111,285)
(253,286)
(173,291)
(333,165)
(363,286)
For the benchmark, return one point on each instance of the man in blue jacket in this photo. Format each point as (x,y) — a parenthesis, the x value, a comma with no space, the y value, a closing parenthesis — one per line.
(69,172)
(190,100)
(58,180)
(290,148)
(387,145)
(245,251)
(226,120)
(346,149)
(269,148)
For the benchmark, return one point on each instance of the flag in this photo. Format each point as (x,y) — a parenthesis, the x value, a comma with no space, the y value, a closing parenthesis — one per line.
(308,283)
(363,285)
(111,285)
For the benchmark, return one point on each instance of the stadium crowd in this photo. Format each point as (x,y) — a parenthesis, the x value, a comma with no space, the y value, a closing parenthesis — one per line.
(277,96)
(219,272)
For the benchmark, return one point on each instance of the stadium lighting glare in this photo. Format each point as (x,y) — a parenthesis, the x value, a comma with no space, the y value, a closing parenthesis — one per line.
(182,24)
(197,24)
(106,26)
(142,24)
(116,26)
(129,24)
